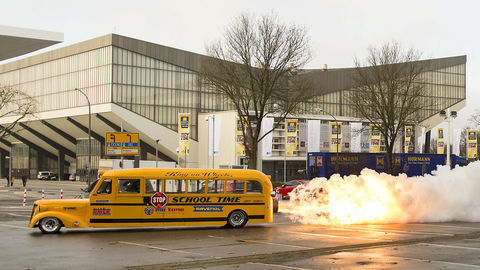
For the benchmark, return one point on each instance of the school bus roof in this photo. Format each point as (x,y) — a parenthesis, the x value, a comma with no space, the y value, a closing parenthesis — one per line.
(178,173)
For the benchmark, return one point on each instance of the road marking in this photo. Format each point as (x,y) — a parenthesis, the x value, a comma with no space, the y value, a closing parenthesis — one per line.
(279,266)
(448,226)
(275,244)
(409,258)
(218,237)
(17,215)
(450,246)
(20,208)
(158,248)
(338,236)
(405,232)
(13,226)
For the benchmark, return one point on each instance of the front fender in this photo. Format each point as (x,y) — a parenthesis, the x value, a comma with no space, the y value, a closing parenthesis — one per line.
(69,221)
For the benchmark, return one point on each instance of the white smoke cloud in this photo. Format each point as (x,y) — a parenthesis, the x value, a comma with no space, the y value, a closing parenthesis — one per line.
(447,195)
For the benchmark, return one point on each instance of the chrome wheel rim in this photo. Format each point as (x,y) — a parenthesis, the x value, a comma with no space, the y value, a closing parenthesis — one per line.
(237,218)
(50,224)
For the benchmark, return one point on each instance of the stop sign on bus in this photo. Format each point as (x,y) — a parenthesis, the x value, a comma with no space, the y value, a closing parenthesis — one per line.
(158,200)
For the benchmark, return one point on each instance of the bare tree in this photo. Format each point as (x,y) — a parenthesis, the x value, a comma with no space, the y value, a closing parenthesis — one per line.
(254,66)
(15,105)
(475,118)
(390,90)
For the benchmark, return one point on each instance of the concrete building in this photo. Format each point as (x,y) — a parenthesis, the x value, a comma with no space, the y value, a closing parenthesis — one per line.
(137,86)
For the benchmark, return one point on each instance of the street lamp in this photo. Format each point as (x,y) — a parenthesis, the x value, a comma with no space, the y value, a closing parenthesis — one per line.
(448,115)
(336,123)
(89,137)
(156,152)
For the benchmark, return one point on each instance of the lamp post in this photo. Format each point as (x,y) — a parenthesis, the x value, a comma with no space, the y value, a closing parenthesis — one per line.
(156,152)
(448,115)
(89,137)
(336,124)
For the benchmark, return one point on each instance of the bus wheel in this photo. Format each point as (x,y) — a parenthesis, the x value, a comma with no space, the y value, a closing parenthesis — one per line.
(50,225)
(237,219)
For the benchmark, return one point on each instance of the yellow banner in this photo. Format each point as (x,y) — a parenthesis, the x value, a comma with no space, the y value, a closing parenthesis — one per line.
(472,144)
(440,143)
(408,137)
(335,137)
(291,148)
(184,134)
(374,139)
(240,140)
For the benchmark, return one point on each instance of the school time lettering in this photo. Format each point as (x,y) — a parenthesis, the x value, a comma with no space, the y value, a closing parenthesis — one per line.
(205,200)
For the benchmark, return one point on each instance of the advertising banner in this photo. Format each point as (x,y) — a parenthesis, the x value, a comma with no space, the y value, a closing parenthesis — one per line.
(374,139)
(356,137)
(440,143)
(267,125)
(291,137)
(457,134)
(335,137)
(471,144)
(302,136)
(183,134)
(408,137)
(313,130)
(239,141)
(214,128)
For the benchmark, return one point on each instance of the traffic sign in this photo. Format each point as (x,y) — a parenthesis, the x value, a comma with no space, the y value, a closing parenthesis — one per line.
(159,200)
(122,143)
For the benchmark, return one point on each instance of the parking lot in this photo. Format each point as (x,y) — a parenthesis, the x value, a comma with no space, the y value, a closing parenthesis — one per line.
(280,245)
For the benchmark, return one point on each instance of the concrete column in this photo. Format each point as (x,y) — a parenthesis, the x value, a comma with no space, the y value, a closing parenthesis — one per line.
(3,170)
(61,164)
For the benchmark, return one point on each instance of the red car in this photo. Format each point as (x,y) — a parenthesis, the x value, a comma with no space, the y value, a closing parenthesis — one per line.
(286,188)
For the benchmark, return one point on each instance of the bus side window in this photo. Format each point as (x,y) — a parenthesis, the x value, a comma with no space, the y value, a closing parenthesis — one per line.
(254,187)
(105,187)
(174,186)
(153,185)
(129,186)
(215,186)
(235,186)
(196,186)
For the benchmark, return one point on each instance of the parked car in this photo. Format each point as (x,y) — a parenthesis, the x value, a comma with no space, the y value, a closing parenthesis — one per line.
(72,177)
(286,188)
(46,175)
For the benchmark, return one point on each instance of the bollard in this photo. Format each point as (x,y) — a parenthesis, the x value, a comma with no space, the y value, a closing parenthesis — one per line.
(61,193)
(25,197)
(43,194)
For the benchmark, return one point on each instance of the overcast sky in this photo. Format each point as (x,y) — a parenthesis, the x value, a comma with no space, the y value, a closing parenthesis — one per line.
(339,29)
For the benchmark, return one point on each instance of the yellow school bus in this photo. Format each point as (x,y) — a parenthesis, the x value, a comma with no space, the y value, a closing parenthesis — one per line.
(162,197)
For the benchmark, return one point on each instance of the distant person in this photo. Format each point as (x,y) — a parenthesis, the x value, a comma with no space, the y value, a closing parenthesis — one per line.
(24,180)
(8,181)
(11,181)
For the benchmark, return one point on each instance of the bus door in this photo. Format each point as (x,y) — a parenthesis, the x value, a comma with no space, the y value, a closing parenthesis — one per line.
(255,198)
(101,199)
(129,205)
(175,190)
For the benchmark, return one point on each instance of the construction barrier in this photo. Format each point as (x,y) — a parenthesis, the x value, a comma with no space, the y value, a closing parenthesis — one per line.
(61,193)
(25,197)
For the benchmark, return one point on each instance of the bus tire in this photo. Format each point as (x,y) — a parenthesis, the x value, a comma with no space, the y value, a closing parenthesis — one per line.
(237,219)
(50,225)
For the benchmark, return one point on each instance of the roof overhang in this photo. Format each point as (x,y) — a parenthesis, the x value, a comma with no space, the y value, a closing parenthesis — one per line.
(18,41)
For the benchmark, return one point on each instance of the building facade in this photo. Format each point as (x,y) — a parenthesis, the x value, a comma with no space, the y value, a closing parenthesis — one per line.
(137,86)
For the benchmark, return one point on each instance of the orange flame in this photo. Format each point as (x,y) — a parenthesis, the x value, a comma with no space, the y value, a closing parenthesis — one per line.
(368,198)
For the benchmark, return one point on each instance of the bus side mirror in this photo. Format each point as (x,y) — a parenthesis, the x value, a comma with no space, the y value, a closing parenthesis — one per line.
(273,193)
